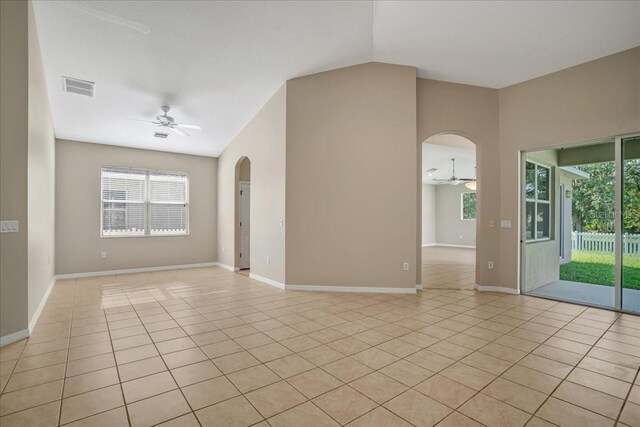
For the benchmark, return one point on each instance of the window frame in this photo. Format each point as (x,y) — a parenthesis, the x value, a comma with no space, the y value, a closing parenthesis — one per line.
(537,201)
(462,218)
(147,202)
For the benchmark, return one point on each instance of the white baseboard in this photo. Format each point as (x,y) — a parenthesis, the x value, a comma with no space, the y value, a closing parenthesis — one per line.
(134,270)
(16,336)
(419,287)
(424,245)
(267,281)
(43,301)
(226,267)
(357,289)
(445,245)
(502,289)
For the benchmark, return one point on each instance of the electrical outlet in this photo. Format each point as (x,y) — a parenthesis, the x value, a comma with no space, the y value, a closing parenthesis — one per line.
(490,265)
(492,224)
(405,266)
(268,260)
(103,254)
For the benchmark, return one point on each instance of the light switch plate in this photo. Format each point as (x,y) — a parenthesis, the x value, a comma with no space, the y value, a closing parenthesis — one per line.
(505,223)
(9,226)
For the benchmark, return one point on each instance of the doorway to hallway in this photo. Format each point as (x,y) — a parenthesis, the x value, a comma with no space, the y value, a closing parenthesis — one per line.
(449,212)
(243,216)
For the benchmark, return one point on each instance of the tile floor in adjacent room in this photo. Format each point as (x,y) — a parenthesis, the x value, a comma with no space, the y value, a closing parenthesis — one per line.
(448,267)
(210,347)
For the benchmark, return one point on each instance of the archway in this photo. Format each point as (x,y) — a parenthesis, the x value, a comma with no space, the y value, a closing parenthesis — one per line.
(449,212)
(242,216)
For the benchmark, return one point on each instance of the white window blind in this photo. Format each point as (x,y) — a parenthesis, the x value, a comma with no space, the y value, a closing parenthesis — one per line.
(139,202)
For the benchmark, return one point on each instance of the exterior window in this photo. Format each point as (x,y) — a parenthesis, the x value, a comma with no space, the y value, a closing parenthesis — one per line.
(538,204)
(140,202)
(469,206)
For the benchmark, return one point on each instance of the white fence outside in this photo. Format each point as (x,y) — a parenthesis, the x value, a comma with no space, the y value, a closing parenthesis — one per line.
(604,242)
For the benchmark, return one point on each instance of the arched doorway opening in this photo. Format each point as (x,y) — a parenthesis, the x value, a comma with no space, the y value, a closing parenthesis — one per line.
(449,212)
(243,215)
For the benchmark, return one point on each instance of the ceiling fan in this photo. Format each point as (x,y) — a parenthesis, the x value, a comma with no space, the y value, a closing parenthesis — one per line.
(454,180)
(168,122)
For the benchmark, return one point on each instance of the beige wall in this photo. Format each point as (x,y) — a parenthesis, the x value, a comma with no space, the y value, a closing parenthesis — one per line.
(41,178)
(78,242)
(472,112)
(591,101)
(428,214)
(352,160)
(451,229)
(14,75)
(263,142)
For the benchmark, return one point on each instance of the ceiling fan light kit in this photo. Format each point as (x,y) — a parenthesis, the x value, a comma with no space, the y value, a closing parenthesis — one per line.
(473,185)
(165,121)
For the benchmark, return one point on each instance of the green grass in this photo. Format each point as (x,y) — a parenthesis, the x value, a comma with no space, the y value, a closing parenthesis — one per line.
(599,269)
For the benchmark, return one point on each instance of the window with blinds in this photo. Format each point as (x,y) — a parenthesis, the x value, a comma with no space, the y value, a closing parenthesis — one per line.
(140,202)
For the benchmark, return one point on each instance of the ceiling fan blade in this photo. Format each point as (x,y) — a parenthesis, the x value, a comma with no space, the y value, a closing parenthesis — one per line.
(182,125)
(466,179)
(178,131)
(441,180)
(146,121)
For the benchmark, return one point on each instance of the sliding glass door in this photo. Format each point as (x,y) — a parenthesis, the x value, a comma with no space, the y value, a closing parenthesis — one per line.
(580,224)
(630,224)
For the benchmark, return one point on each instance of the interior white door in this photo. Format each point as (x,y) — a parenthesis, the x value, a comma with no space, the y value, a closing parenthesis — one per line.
(245,224)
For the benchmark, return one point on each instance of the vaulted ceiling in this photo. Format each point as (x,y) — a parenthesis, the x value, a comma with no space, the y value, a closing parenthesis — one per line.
(217,63)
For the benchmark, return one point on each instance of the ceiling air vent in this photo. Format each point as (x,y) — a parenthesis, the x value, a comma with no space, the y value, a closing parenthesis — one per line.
(81,87)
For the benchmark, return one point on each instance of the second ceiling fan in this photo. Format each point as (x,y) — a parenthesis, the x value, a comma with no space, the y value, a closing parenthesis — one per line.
(453,180)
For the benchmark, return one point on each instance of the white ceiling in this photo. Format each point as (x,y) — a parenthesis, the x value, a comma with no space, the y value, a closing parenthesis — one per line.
(217,63)
(500,43)
(438,151)
(214,63)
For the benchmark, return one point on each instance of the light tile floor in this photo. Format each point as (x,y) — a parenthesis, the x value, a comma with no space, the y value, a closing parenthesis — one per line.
(210,347)
(448,268)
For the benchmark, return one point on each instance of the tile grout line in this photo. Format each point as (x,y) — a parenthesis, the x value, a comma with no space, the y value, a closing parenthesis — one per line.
(392,322)
(626,399)
(66,364)
(572,369)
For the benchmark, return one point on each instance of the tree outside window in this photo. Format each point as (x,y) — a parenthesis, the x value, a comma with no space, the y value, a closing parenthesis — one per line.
(469,206)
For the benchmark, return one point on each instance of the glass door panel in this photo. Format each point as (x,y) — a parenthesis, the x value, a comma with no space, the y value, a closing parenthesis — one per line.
(630,252)
(588,268)
(569,224)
